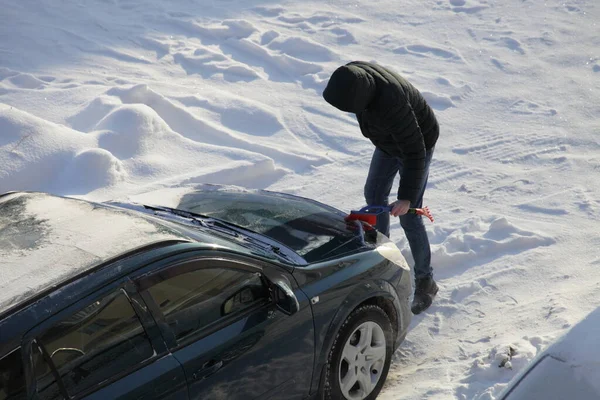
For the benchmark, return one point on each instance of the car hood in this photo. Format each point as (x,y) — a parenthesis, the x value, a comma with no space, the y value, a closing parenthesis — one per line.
(568,368)
(315,231)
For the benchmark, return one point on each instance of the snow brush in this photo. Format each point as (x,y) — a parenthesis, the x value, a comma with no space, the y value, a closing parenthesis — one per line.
(369,214)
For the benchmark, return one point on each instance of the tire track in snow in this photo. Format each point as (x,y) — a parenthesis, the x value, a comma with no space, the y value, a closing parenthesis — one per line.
(508,148)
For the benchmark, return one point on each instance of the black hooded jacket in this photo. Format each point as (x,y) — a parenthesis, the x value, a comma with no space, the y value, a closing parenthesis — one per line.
(391,113)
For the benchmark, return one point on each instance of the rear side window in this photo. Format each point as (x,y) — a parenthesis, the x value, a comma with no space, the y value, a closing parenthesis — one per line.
(194,300)
(91,346)
(12,377)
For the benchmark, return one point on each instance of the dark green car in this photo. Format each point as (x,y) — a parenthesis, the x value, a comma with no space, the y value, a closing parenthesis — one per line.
(225,294)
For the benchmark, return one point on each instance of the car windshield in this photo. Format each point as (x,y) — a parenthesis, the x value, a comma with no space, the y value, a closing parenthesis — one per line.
(313,230)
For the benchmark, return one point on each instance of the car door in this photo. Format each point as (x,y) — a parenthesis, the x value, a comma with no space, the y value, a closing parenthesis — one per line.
(220,320)
(103,347)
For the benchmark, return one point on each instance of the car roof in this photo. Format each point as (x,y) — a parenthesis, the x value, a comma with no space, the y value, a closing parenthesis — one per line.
(45,240)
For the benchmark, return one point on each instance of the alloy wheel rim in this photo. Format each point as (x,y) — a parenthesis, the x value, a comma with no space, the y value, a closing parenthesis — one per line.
(363,359)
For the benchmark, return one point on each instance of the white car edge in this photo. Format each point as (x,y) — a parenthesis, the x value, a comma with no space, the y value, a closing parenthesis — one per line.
(569,369)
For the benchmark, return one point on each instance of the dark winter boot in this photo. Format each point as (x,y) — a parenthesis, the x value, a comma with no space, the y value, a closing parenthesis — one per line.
(425,291)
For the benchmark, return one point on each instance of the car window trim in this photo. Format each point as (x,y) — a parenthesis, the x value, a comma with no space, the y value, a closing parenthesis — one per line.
(29,338)
(120,284)
(102,265)
(145,281)
(61,385)
(32,390)
(114,378)
(149,324)
(220,324)
(8,353)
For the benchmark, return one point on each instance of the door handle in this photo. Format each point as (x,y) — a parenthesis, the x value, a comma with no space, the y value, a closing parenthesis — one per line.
(207,369)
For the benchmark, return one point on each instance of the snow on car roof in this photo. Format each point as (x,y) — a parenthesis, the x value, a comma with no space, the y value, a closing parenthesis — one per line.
(46,240)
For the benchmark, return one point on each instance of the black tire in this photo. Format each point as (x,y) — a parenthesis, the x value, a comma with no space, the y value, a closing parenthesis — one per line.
(366,313)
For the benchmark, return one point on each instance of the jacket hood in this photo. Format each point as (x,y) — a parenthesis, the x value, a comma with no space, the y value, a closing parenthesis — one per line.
(350,89)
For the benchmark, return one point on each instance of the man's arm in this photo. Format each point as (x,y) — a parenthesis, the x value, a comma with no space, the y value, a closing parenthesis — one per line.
(407,134)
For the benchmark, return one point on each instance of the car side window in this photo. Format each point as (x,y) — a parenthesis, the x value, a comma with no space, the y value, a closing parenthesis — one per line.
(94,344)
(194,300)
(12,377)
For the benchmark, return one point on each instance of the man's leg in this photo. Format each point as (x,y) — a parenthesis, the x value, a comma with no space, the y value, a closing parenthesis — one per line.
(379,183)
(425,286)
(416,234)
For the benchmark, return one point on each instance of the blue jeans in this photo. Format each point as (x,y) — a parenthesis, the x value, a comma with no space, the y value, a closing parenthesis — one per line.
(379,183)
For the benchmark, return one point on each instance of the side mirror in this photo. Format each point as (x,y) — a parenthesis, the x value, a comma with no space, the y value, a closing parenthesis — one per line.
(242,299)
(284,297)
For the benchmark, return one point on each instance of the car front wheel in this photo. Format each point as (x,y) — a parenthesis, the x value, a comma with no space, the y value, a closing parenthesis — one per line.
(360,357)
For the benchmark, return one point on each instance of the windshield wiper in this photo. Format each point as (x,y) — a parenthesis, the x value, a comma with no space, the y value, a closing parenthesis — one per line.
(228,228)
(180,213)
(201,219)
(247,236)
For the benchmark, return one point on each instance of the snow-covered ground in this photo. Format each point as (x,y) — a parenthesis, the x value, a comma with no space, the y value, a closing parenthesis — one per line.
(106,99)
